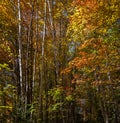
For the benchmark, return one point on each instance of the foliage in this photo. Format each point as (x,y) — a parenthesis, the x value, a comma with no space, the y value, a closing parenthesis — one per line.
(60,98)
(70,53)
(98,58)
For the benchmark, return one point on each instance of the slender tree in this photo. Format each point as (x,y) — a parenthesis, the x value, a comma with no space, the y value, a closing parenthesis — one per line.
(20,51)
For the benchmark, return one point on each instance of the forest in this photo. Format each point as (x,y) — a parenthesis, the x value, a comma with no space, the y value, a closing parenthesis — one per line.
(59,61)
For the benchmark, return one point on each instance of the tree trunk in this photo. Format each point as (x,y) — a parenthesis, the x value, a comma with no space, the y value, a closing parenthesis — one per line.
(53,32)
(20,51)
(42,79)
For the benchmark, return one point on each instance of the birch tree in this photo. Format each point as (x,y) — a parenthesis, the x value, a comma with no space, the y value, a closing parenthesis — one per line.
(20,51)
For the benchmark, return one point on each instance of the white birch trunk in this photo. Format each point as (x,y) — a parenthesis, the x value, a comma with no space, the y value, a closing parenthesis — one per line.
(20,47)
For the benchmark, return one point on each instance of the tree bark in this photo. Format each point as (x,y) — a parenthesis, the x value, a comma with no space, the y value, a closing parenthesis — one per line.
(20,51)
(53,31)
(42,79)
